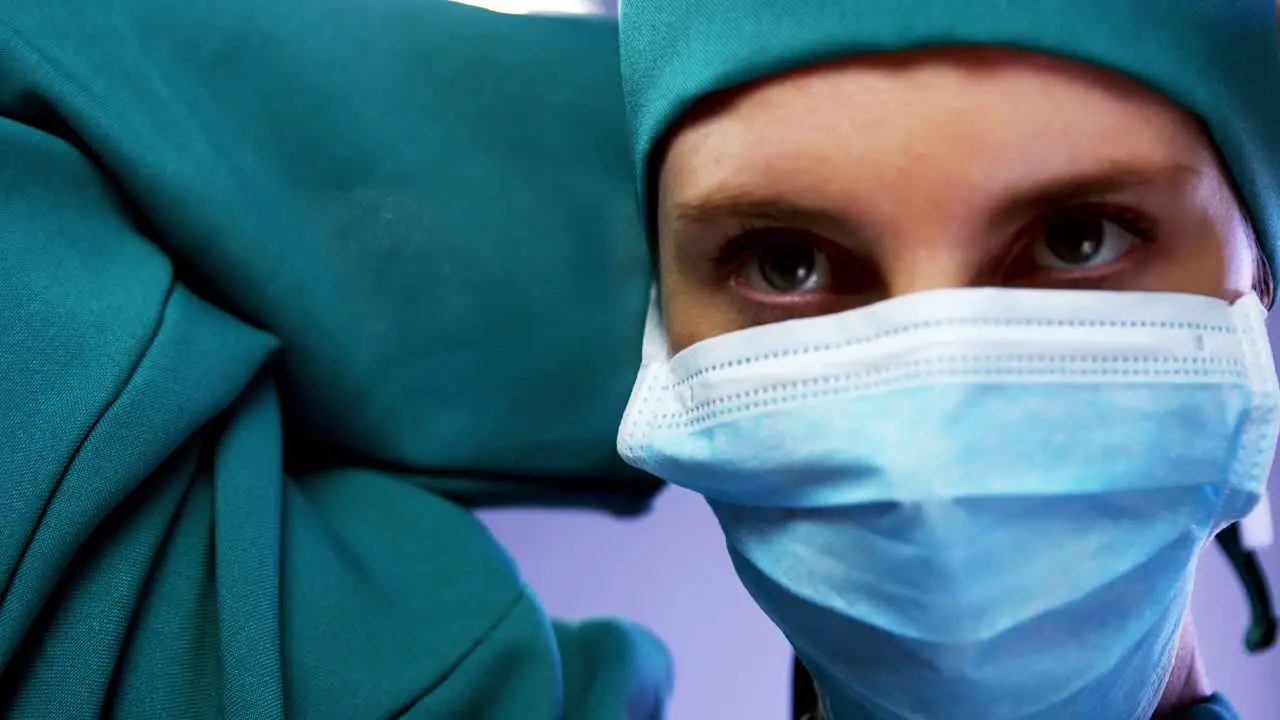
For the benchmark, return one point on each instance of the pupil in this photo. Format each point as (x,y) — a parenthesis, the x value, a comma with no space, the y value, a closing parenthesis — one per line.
(1075,240)
(788,268)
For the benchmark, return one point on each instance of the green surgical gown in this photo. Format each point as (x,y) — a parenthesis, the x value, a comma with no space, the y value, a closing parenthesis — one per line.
(286,288)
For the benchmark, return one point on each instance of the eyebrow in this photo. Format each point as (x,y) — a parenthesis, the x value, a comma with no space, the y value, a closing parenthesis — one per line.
(1111,181)
(741,203)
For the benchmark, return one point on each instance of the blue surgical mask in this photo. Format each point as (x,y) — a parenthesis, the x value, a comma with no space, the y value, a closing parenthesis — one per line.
(972,503)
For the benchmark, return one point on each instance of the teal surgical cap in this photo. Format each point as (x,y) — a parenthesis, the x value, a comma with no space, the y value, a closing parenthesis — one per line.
(1218,58)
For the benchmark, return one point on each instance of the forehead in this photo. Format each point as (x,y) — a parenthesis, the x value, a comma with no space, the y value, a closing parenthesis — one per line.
(972,117)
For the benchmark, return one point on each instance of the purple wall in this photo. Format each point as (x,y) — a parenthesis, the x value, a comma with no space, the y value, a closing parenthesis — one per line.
(669,571)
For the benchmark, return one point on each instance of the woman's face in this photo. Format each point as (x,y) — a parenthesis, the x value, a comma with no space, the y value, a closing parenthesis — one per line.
(844,185)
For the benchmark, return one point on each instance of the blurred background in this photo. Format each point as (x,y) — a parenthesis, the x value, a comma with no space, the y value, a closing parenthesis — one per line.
(669,571)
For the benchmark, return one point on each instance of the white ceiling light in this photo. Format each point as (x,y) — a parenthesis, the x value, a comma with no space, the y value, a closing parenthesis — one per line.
(536,7)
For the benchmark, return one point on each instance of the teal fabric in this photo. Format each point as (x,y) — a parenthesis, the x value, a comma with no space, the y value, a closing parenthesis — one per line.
(285,288)
(1220,59)
(1217,707)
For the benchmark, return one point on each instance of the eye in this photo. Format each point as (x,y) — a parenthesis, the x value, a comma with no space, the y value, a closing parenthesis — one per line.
(785,266)
(1083,239)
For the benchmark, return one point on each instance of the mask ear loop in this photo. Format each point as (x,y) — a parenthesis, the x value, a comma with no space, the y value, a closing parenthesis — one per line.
(1262,629)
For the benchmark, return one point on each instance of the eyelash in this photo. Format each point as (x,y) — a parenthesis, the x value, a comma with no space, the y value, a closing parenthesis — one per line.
(1135,222)
(756,236)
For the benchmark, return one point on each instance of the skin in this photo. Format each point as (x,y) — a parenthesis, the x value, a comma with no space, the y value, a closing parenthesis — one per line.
(885,176)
